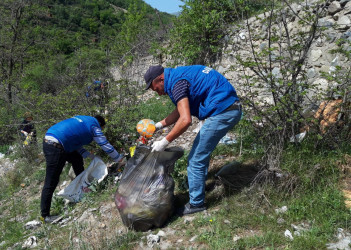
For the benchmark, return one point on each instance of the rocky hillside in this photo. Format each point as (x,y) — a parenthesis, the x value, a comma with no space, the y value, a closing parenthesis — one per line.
(252,34)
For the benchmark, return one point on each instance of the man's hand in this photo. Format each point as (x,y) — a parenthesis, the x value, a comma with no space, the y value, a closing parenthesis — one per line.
(119,159)
(122,162)
(158,126)
(160,145)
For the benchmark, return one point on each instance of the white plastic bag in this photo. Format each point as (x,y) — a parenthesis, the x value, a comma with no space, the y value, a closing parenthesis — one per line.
(75,190)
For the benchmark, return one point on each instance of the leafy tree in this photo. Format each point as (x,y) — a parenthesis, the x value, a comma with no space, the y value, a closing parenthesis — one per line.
(132,29)
(15,40)
(201,30)
(197,36)
(18,20)
(276,88)
(50,51)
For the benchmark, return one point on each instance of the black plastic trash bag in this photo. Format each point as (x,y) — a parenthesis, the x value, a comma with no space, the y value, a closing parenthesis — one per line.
(145,195)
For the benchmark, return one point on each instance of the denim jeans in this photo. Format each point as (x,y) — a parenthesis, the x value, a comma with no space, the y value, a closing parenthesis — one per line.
(55,161)
(213,129)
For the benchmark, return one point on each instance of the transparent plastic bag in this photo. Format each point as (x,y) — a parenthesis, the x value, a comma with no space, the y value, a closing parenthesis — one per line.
(145,195)
(74,192)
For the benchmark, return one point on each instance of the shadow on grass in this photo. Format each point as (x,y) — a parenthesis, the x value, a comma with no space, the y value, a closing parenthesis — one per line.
(235,176)
(228,180)
(232,178)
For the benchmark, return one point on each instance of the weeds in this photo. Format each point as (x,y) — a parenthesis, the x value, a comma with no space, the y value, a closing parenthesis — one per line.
(179,174)
(4,149)
(239,217)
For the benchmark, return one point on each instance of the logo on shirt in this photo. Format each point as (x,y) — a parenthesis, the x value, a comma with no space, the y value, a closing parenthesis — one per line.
(206,70)
(80,120)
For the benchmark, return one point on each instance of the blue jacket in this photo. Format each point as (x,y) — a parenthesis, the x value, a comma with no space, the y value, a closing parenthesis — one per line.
(74,132)
(210,93)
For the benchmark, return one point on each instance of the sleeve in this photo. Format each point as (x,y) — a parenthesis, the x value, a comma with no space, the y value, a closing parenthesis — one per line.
(83,152)
(101,140)
(180,90)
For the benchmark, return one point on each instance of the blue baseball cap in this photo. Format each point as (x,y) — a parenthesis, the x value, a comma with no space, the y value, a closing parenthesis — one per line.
(151,74)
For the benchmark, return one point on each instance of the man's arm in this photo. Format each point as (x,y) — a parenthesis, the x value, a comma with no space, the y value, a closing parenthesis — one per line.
(183,121)
(101,140)
(171,118)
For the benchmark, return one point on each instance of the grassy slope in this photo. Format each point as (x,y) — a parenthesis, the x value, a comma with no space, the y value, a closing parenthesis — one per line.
(239,218)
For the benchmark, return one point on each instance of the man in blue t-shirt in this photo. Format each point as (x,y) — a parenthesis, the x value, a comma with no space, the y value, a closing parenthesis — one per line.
(63,142)
(202,92)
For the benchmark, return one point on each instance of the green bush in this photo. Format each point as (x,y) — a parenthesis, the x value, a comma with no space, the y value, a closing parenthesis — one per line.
(4,149)
(179,174)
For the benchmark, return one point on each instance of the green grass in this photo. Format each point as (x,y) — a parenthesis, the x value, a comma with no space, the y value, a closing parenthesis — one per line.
(156,108)
(255,220)
(310,190)
(4,148)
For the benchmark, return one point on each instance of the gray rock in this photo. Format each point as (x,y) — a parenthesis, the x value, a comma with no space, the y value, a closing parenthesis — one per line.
(342,234)
(236,238)
(319,42)
(335,62)
(188,219)
(280,221)
(242,36)
(31,242)
(152,239)
(87,217)
(341,244)
(347,35)
(193,238)
(65,221)
(299,229)
(288,234)
(347,7)
(334,7)
(316,54)
(343,2)
(321,83)
(170,231)
(165,245)
(105,209)
(33,224)
(276,72)
(221,69)
(311,73)
(263,46)
(344,22)
(326,22)
(296,8)
(161,233)
(281,210)
(332,36)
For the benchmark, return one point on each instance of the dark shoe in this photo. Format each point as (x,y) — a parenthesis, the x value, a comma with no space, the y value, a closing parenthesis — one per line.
(190,209)
(51,219)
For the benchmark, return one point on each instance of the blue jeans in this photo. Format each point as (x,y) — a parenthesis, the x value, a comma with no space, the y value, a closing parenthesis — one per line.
(213,129)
